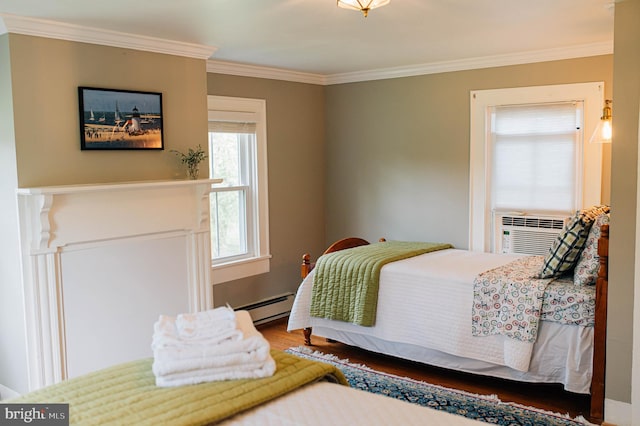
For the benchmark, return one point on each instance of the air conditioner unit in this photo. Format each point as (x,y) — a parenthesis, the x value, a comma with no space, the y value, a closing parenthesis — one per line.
(532,235)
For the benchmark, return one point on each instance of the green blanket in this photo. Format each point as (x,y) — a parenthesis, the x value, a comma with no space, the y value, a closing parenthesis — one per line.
(126,394)
(345,283)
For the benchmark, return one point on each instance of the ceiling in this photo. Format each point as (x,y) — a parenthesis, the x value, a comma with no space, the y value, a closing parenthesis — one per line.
(315,36)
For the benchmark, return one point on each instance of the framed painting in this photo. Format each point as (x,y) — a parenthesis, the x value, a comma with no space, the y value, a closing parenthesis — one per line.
(120,119)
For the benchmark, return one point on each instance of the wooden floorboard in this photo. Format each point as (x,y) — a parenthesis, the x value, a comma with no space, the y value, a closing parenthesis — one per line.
(546,397)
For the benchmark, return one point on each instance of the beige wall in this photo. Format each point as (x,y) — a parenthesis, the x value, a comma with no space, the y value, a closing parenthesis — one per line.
(46,74)
(624,179)
(295,150)
(398,149)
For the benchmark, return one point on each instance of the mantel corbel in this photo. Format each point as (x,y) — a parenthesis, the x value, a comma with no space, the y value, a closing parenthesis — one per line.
(38,208)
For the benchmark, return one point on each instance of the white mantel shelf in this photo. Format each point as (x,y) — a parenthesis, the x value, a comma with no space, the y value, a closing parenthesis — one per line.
(96,254)
(120,186)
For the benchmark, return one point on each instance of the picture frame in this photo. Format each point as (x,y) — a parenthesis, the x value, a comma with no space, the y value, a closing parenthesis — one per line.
(112,119)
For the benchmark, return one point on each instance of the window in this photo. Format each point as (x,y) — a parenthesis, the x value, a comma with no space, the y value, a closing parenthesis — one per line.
(535,157)
(238,206)
(529,154)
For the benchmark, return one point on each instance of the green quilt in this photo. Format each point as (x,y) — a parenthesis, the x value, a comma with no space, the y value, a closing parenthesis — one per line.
(126,394)
(345,283)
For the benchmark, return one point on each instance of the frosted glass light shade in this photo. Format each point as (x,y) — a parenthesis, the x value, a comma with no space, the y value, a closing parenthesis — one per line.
(604,130)
(363,5)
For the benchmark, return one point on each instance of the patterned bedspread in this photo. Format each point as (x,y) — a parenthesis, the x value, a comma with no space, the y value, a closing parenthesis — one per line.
(567,303)
(509,300)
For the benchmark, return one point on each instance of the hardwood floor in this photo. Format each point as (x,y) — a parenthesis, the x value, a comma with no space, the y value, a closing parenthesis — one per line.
(546,397)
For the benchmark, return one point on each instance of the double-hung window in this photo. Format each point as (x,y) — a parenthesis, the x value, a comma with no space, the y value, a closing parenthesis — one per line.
(238,205)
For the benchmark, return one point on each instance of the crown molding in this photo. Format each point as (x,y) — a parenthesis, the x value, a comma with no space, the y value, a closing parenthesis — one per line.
(245,70)
(70,32)
(579,51)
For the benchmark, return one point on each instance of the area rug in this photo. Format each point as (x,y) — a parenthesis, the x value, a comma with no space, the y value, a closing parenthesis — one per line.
(484,408)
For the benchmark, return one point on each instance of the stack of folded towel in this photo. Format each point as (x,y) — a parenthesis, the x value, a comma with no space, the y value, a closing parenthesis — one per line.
(218,344)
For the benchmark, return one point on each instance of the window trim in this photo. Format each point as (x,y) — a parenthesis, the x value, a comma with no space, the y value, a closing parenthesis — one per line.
(592,94)
(225,108)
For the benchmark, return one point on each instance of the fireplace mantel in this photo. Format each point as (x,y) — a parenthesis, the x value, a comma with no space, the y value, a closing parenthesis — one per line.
(121,186)
(59,225)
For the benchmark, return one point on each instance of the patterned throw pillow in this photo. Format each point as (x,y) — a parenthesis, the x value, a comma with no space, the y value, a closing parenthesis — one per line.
(563,254)
(586,270)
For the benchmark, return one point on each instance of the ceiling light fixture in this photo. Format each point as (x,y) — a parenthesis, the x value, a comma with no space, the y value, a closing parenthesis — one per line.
(362,5)
(604,130)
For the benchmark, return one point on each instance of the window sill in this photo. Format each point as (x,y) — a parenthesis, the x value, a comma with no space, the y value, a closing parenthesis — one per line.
(240,269)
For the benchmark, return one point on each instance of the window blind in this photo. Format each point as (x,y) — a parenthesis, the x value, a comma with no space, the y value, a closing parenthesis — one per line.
(231,127)
(536,157)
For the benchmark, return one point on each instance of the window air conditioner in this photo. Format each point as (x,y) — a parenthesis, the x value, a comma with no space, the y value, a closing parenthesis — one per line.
(531,235)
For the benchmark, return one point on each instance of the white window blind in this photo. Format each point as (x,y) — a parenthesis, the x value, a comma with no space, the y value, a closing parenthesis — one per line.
(536,157)
(231,127)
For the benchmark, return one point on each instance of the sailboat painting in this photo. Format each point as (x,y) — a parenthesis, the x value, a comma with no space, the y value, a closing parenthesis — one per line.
(120,119)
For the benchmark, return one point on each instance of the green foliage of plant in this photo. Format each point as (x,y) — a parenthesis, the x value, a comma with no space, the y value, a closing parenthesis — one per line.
(192,159)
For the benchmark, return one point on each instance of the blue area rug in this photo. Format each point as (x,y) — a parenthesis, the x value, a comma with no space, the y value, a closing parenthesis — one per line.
(484,408)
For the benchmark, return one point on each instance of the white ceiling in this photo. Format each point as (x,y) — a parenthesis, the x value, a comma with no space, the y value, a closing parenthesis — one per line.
(315,36)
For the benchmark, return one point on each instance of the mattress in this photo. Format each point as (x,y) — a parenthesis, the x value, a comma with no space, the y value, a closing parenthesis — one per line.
(424,314)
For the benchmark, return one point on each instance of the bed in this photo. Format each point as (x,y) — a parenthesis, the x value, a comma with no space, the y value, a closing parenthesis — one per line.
(439,333)
(301,392)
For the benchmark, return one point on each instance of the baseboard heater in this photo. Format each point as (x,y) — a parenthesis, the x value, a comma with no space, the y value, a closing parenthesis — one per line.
(269,309)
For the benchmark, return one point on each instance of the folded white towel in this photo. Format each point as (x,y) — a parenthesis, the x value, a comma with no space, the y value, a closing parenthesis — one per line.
(266,370)
(202,325)
(248,366)
(178,358)
(179,361)
(223,313)
(166,334)
(160,341)
(230,361)
(165,353)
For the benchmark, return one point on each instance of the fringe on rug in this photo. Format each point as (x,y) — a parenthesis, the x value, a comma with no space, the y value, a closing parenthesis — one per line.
(304,350)
(579,419)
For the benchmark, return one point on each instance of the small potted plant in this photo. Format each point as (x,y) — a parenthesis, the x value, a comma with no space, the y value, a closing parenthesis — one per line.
(192,159)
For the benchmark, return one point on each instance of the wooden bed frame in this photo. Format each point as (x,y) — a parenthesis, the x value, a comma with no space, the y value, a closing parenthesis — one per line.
(600,326)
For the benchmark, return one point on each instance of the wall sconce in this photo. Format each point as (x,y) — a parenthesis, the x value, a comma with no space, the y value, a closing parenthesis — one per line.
(362,5)
(603,131)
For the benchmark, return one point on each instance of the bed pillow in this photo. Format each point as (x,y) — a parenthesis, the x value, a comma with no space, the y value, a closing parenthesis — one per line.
(586,270)
(565,250)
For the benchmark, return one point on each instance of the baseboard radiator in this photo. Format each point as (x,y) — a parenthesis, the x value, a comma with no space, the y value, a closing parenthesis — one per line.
(269,309)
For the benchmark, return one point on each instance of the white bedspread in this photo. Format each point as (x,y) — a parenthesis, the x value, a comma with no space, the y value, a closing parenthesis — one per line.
(426,301)
(321,404)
